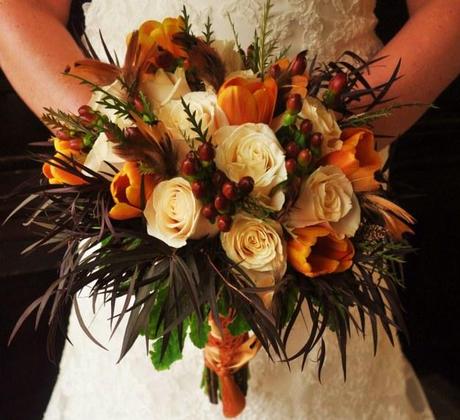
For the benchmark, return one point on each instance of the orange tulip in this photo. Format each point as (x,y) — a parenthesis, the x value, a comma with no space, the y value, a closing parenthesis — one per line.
(357,158)
(161,33)
(248,100)
(126,190)
(67,151)
(317,250)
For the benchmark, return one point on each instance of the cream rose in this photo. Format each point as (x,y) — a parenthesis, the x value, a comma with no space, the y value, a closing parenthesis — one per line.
(230,57)
(252,150)
(101,153)
(324,122)
(162,87)
(258,247)
(204,104)
(116,89)
(174,215)
(327,197)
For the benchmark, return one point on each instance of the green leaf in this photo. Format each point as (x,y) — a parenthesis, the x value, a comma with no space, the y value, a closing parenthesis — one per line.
(172,354)
(199,331)
(239,326)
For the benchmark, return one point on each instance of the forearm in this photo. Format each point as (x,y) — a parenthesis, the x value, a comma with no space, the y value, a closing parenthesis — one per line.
(429,46)
(35,48)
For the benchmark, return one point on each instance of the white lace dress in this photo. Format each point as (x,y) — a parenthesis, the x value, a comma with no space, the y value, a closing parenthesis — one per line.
(92,386)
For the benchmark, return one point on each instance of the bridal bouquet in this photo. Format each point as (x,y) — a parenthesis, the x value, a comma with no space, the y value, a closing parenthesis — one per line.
(216,194)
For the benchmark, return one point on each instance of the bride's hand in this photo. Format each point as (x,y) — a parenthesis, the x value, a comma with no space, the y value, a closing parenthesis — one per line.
(429,47)
(35,48)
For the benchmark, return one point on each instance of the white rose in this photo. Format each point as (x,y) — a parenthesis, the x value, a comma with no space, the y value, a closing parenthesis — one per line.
(258,247)
(174,215)
(252,150)
(101,153)
(327,197)
(116,89)
(324,122)
(230,57)
(162,87)
(204,104)
(174,118)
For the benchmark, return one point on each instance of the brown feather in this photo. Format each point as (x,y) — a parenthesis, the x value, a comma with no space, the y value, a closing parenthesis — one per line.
(96,72)
(202,58)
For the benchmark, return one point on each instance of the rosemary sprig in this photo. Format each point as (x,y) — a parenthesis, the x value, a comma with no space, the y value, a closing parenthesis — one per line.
(367,118)
(236,38)
(186,18)
(265,43)
(208,33)
(196,125)
(56,119)
(109,101)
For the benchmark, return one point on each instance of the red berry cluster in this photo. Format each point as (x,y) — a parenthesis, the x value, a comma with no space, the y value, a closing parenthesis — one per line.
(302,144)
(211,186)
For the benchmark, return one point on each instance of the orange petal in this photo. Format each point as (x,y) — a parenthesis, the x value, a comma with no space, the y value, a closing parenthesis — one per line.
(238,104)
(123,211)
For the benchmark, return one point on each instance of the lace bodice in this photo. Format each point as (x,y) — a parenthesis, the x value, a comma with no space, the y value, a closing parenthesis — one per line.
(326,28)
(92,385)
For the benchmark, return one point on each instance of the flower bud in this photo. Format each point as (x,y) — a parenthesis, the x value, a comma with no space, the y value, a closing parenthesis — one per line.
(294,103)
(224,222)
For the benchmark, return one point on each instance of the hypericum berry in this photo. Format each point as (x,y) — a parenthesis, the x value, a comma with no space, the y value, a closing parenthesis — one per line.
(199,189)
(304,158)
(291,166)
(246,185)
(230,190)
(75,144)
(292,149)
(218,178)
(299,65)
(138,104)
(206,152)
(221,203)
(209,211)
(189,167)
(306,127)
(316,139)
(338,82)
(85,109)
(294,103)
(274,71)
(224,222)
(63,134)
(86,114)
(164,59)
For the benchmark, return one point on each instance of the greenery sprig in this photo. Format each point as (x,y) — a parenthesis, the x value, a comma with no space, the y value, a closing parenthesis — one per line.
(208,33)
(196,124)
